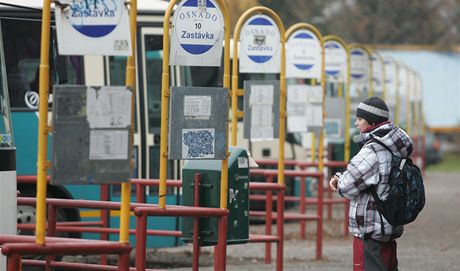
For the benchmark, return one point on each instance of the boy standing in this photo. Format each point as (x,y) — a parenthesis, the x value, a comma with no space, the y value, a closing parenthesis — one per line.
(374,246)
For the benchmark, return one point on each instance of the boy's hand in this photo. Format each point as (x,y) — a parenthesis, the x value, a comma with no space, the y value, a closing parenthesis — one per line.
(333,183)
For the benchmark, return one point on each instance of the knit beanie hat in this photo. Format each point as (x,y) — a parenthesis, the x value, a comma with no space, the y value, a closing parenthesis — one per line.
(374,110)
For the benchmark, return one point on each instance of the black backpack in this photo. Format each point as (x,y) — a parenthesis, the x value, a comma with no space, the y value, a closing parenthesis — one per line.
(407,194)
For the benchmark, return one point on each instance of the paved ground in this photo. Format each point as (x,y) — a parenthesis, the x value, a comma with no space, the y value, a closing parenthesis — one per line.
(432,242)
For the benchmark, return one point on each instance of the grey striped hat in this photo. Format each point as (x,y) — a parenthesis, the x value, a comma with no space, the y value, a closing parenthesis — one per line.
(374,110)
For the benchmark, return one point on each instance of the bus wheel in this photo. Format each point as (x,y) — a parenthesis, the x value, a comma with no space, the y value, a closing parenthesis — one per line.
(27,215)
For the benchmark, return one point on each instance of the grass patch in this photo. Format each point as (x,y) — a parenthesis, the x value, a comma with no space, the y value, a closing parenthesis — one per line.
(450,162)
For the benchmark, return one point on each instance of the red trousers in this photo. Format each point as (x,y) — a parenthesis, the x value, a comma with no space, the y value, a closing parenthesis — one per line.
(371,255)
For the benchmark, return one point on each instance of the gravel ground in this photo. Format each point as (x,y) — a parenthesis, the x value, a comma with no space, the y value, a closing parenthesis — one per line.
(429,243)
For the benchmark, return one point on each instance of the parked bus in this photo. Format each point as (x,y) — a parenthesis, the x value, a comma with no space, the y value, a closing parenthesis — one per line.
(20,25)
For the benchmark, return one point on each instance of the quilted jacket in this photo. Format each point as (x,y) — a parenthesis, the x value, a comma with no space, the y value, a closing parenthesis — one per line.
(371,166)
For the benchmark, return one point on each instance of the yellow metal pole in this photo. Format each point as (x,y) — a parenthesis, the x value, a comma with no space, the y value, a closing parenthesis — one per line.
(224,169)
(347,107)
(43,128)
(340,89)
(164,107)
(323,86)
(282,120)
(314,152)
(130,82)
(236,37)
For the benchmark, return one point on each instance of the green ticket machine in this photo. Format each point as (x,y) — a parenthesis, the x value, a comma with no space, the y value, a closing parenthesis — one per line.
(209,196)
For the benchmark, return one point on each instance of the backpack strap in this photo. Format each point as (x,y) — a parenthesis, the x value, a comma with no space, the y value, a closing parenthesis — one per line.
(378,201)
(373,187)
(381,144)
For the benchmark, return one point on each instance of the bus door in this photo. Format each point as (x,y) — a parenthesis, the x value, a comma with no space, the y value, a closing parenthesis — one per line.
(147,124)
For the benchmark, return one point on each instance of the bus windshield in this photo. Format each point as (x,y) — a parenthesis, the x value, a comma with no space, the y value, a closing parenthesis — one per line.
(22,59)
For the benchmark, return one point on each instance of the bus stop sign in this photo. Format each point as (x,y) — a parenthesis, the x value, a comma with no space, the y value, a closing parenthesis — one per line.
(197,34)
(93,28)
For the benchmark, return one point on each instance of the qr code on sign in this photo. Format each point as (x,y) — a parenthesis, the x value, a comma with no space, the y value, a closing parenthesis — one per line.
(120,45)
(198,143)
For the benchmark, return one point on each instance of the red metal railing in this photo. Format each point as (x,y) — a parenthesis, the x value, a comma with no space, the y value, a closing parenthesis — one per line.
(269,238)
(329,201)
(302,217)
(14,247)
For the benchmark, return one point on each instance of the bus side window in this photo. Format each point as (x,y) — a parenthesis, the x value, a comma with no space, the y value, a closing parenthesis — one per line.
(17,86)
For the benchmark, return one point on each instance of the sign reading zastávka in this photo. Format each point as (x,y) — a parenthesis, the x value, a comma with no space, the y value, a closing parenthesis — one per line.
(303,55)
(197,34)
(98,121)
(336,61)
(260,46)
(93,28)
(261,110)
(198,123)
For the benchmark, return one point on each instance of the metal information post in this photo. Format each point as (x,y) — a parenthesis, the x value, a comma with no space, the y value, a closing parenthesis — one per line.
(313,70)
(337,70)
(257,60)
(199,44)
(86,29)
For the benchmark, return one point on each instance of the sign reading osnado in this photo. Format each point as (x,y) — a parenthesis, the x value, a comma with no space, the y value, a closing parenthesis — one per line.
(93,28)
(260,45)
(336,61)
(303,55)
(197,34)
(359,62)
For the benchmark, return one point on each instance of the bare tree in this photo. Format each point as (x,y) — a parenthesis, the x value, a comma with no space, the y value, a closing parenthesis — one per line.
(377,21)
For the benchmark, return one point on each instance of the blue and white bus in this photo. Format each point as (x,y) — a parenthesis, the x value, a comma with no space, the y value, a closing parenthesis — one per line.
(20,25)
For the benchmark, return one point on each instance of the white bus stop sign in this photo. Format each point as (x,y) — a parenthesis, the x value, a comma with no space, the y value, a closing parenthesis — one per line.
(336,61)
(303,55)
(92,27)
(197,34)
(359,62)
(260,45)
